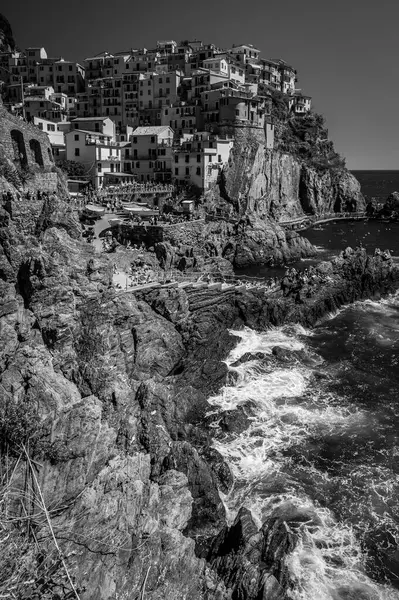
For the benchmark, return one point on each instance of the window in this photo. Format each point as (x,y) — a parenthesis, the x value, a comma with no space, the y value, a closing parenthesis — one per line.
(151,165)
(134,140)
(77,152)
(76,137)
(167,91)
(50,127)
(166,111)
(219,158)
(137,165)
(198,157)
(40,126)
(152,139)
(237,113)
(187,170)
(187,157)
(176,171)
(210,158)
(99,167)
(167,80)
(160,80)
(198,171)
(176,158)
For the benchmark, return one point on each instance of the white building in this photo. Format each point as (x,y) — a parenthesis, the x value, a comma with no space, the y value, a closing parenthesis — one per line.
(199,161)
(97,151)
(151,153)
(55,134)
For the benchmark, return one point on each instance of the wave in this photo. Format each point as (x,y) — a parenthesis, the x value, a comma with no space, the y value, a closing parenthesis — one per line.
(288,408)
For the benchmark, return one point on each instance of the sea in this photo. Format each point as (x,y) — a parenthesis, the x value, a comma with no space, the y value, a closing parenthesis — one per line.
(324,430)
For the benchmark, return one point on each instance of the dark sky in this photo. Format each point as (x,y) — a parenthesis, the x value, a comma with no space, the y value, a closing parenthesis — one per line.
(345,51)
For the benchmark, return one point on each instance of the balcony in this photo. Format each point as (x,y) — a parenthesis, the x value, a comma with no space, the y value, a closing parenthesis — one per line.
(95,141)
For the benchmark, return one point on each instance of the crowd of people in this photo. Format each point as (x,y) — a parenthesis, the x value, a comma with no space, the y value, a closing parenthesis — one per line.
(29,195)
(299,284)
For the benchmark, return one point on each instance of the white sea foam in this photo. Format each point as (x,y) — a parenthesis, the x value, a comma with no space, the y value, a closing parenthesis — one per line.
(285,411)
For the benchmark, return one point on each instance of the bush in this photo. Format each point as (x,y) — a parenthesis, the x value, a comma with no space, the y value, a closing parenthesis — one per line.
(72,169)
(19,423)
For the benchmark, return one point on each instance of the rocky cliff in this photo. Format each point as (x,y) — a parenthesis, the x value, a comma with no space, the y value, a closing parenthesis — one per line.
(7,43)
(105,446)
(262,187)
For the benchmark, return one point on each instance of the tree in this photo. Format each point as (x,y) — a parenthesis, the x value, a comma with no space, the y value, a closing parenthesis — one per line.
(73,169)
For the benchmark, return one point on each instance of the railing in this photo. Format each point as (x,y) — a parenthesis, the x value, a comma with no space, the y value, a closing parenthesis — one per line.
(210,280)
(314,219)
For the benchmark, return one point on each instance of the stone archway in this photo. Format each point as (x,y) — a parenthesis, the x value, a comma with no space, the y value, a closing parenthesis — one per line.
(36,150)
(18,145)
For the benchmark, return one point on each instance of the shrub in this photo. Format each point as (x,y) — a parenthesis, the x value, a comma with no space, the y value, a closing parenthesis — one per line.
(19,423)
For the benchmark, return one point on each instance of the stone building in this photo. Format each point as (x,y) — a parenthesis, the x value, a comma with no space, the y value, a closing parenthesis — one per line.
(26,151)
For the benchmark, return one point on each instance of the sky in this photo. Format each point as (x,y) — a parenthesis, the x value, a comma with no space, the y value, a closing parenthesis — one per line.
(345,51)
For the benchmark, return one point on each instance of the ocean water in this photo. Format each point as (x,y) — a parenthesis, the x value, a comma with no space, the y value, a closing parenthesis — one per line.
(330,238)
(323,435)
(378,184)
(324,430)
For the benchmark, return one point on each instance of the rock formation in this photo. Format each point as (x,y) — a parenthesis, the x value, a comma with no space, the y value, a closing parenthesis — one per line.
(107,392)
(261,187)
(104,444)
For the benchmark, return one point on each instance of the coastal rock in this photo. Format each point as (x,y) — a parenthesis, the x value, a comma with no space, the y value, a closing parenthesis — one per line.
(252,561)
(329,191)
(391,206)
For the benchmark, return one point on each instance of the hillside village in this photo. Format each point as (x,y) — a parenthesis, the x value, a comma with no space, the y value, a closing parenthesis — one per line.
(161,116)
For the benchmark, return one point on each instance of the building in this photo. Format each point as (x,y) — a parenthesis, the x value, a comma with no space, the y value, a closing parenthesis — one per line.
(55,134)
(95,65)
(181,117)
(244,53)
(97,151)
(287,76)
(151,153)
(270,74)
(102,125)
(68,77)
(105,98)
(300,104)
(200,160)
(27,148)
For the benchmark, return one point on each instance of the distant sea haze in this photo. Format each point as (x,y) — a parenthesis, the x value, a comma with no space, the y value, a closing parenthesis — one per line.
(378,184)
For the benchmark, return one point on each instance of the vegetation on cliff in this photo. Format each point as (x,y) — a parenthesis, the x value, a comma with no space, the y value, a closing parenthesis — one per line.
(7,42)
(305,137)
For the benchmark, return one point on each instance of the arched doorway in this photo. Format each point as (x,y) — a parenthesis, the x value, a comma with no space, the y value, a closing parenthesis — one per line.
(36,150)
(18,144)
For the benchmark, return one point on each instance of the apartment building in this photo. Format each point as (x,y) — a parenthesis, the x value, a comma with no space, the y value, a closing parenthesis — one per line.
(199,160)
(97,151)
(151,153)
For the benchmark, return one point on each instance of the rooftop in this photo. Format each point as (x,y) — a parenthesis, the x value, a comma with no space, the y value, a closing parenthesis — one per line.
(153,130)
(93,133)
(89,119)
